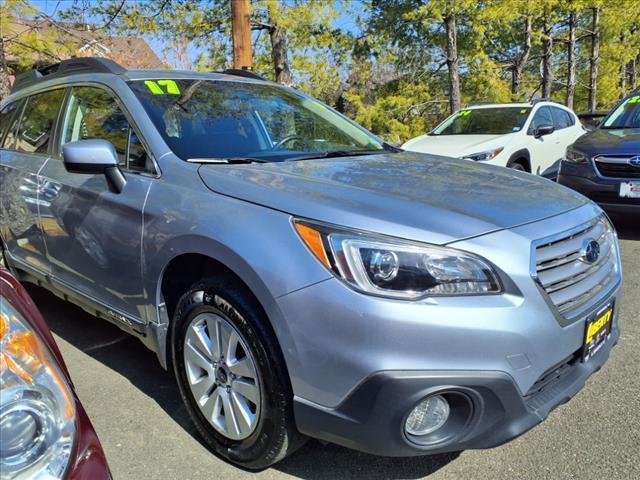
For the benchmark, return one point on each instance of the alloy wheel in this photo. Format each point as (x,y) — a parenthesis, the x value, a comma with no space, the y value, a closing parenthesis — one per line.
(222,375)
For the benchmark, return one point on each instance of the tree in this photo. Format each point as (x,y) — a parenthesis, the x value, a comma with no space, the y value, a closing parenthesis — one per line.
(27,39)
(571,58)
(547,53)
(593,60)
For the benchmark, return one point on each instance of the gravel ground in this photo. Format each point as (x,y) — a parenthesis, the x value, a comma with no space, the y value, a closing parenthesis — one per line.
(144,429)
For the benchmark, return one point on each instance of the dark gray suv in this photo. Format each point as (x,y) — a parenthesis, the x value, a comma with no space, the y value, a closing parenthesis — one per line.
(300,276)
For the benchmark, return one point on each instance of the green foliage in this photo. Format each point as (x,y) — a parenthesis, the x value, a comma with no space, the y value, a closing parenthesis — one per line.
(388,69)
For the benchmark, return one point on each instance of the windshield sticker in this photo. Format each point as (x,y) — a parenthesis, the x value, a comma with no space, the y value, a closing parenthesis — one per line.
(635,99)
(523,111)
(465,113)
(170,86)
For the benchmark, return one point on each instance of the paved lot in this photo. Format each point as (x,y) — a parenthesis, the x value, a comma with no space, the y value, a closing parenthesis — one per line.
(143,427)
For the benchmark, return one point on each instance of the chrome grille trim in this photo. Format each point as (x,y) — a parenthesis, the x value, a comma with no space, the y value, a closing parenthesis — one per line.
(569,284)
(616,166)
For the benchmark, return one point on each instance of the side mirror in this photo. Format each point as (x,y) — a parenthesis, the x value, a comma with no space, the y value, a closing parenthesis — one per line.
(543,130)
(97,157)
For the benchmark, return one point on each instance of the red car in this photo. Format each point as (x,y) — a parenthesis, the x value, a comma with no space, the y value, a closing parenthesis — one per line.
(44,431)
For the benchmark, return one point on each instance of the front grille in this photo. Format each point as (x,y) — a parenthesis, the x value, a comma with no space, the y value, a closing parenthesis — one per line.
(617,167)
(571,282)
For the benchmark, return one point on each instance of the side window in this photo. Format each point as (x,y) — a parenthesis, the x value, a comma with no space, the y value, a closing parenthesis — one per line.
(571,119)
(561,118)
(5,117)
(138,159)
(92,113)
(541,117)
(36,125)
(10,140)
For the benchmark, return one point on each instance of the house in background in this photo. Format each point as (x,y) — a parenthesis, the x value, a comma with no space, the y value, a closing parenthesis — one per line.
(60,41)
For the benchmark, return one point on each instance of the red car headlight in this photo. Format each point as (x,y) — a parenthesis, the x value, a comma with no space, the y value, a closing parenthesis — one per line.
(37,409)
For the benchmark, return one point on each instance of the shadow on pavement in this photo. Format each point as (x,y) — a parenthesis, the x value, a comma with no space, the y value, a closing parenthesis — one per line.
(316,461)
(628,227)
(126,355)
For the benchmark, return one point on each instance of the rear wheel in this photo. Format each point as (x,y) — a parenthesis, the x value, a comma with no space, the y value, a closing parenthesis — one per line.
(231,374)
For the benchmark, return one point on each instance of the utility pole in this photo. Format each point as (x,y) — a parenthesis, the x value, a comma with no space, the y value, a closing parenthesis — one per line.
(241,27)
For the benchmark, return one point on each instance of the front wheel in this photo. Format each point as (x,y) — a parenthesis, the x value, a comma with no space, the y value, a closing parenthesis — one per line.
(518,166)
(231,374)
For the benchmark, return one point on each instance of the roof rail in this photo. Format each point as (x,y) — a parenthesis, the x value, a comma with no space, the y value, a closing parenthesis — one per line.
(475,103)
(543,99)
(243,73)
(65,68)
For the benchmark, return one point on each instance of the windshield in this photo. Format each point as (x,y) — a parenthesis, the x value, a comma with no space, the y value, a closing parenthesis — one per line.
(484,121)
(627,115)
(206,119)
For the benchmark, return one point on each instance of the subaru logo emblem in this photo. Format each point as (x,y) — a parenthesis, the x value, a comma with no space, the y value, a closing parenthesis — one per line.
(635,161)
(590,251)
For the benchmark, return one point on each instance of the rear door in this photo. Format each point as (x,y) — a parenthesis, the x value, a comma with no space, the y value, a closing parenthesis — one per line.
(93,236)
(26,148)
(569,127)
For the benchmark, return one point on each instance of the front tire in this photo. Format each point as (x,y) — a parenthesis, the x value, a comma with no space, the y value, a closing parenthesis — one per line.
(517,166)
(231,374)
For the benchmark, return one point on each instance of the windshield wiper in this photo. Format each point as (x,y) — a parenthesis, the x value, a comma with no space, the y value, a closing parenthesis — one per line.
(226,161)
(334,154)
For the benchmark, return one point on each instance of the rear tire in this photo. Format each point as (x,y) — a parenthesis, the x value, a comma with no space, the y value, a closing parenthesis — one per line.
(253,428)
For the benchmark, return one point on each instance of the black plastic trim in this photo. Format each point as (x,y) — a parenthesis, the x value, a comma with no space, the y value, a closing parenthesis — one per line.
(523,153)
(66,68)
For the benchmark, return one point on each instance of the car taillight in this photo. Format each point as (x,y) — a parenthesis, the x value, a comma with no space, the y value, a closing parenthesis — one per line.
(37,409)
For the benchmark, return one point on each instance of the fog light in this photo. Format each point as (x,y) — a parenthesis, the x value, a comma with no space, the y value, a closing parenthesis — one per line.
(428,416)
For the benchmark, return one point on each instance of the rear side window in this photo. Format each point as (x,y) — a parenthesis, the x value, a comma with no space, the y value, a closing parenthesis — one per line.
(92,113)
(36,126)
(5,117)
(562,118)
(541,117)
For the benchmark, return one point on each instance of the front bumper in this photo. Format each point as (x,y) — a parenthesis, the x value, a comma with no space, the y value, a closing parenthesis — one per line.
(358,364)
(604,191)
(371,418)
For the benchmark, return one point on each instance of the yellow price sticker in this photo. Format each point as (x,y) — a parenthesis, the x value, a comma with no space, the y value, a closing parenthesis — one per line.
(155,87)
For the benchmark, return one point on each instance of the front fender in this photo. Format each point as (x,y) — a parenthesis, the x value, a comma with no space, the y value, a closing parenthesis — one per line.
(258,244)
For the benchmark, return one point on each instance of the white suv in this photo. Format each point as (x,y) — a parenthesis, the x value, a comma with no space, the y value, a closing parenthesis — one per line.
(531,137)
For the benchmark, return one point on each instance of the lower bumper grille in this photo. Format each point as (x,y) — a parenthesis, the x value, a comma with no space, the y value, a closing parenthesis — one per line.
(536,394)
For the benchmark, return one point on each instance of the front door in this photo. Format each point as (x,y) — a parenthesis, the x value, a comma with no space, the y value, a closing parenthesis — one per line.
(93,236)
(544,151)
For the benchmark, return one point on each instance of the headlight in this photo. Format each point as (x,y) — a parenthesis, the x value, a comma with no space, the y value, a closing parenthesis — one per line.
(575,156)
(483,156)
(37,411)
(397,269)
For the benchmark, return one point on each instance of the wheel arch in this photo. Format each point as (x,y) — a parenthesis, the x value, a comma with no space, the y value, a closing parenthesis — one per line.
(187,260)
(522,157)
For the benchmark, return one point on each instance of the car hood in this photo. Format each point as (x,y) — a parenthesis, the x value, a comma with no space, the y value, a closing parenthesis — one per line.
(456,145)
(611,142)
(409,195)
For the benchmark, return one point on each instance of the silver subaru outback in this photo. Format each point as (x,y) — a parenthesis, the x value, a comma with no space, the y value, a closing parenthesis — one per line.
(301,277)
